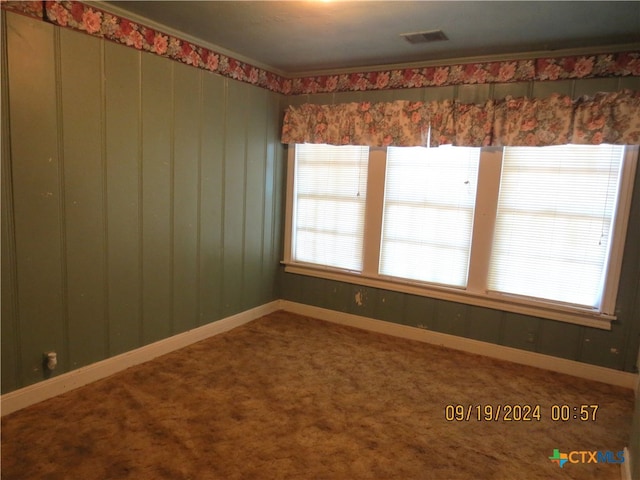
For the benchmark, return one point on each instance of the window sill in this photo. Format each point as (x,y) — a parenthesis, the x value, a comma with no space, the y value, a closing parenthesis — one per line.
(509,304)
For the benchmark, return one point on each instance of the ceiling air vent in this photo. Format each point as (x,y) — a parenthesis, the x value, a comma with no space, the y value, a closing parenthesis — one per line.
(425,37)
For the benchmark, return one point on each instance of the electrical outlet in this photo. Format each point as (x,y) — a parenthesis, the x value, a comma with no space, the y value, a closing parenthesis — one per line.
(50,360)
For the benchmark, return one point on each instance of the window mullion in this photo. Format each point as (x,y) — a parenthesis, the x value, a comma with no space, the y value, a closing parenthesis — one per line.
(484,218)
(289,205)
(374,207)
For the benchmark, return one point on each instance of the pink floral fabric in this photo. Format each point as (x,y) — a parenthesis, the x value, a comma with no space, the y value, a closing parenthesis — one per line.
(533,122)
(364,123)
(607,118)
(474,124)
(555,120)
(442,123)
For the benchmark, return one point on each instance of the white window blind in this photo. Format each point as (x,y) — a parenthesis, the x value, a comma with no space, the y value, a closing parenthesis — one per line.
(428,213)
(329,205)
(554,222)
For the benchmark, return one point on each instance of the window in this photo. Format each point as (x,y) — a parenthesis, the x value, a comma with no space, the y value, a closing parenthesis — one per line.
(330,196)
(554,222)
(533,230)
(428,210)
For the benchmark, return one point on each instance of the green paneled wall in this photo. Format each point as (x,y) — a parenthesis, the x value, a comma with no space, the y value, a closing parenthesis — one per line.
(39,277)
(140,198)
(634,444)
(617,349)
(81,195)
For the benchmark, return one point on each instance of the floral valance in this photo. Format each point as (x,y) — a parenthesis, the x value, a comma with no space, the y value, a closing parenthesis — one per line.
(604,118)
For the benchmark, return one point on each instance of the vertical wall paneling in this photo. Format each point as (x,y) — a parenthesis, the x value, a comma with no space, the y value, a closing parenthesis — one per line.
(234,200)
(298,100)
(390,306)
(604,348)
(631,83)
(339,97)
(281,152)
(439,93)
(211,196)
(632,362)
(632,337)
(517,89)
(291,288)
(484,324)
(9,315)
(186,135)
(141,198)
(591,86)
(520,331)
(628,296)
(311,291)
(420,312)
(336,294)
(254,198)
(451,317)
(410,94)
(545,89)
(271,233)
(317,98)
(36,191)
(560,339)
(280,192)
(474,93)
(9,331)
(363,301)
(157,227)
(81,109)
(123,196)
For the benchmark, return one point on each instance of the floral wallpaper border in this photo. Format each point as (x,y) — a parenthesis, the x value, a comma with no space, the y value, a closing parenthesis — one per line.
(562,68)
(79,16)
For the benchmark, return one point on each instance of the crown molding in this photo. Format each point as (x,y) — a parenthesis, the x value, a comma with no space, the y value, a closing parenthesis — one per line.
(120,12)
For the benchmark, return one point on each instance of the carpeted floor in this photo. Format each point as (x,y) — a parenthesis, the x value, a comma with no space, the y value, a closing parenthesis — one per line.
(289,397)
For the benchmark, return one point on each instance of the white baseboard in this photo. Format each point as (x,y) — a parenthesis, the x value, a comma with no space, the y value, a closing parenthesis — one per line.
(547,362)
(46,389)
(625,468)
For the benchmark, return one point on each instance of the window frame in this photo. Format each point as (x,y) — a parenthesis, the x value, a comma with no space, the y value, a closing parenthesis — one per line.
(476,292)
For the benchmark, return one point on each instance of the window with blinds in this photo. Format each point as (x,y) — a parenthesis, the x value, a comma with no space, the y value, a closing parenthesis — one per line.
(428,213)
(554,221)
(533,230)
(329,207)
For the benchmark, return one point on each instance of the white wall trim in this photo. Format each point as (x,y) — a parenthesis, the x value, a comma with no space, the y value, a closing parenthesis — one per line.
(18,399)
(625,468)
(515,355)
(46,389)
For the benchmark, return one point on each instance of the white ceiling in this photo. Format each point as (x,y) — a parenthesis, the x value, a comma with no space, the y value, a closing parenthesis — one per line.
(301,37)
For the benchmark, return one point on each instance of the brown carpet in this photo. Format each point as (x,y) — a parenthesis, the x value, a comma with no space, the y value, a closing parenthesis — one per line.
(289,397)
